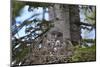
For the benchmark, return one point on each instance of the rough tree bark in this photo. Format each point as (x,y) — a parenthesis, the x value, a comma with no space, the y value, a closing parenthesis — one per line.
(74,20)
(66,19)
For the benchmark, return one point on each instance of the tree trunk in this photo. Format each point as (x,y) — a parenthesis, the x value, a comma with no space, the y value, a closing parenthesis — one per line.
(56,43)
(60,17)
(74,20)
(66,18)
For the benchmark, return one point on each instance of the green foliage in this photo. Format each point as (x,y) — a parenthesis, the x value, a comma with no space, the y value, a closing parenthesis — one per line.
(89,13)
(89,40)
(83,54)
(16,7)
(20,53)
(89,16)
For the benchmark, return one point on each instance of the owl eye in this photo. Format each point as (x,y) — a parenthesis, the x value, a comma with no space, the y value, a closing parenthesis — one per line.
(57,18)
(60,34)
